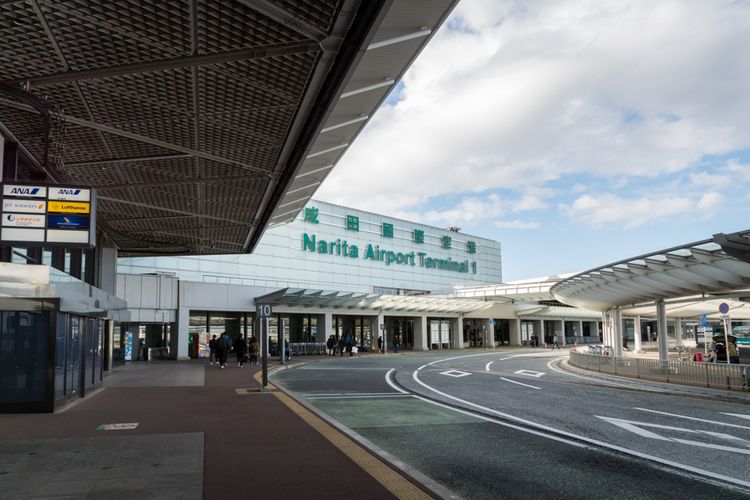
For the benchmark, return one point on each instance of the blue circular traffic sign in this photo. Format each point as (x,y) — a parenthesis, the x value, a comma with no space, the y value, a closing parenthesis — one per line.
(723,308)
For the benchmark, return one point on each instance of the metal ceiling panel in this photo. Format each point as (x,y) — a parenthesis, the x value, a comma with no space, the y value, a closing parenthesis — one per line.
(191,117)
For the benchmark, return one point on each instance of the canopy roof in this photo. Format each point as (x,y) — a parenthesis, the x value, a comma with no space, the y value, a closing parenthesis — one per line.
(302,297)
(717,268)
(199,122)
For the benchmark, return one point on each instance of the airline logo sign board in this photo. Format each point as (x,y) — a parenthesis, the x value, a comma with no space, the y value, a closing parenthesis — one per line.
(48,215)
(24,206)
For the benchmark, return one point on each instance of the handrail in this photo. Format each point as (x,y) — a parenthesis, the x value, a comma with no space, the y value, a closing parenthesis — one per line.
(712,375)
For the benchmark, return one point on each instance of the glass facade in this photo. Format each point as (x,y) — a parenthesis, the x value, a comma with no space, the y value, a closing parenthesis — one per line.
(322,255)
(24,351)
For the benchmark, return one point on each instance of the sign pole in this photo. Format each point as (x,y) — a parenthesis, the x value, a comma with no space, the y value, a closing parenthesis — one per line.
(726,339)
(264,349)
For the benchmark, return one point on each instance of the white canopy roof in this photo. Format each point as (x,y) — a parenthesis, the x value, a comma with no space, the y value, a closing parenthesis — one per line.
(692,279)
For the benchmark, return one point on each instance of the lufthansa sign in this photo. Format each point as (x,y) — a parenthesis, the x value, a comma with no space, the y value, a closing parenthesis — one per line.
(68,207)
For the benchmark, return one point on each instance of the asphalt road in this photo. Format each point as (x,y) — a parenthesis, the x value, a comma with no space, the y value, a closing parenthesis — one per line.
(519,424)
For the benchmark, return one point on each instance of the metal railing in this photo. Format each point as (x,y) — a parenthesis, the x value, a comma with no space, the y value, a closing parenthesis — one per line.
(715,375)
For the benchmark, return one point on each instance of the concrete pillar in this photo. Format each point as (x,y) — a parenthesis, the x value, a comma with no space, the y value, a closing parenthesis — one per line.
(562,332)
(183,332)
(383,332)
(325,326)
(490,328)
(515,331)
(458,333)
(420,334)
(678,331)
(617,328)
(579,333)
(637,333)
(661,330)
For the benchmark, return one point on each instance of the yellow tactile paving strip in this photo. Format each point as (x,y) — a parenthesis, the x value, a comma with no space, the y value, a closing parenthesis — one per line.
(390,479)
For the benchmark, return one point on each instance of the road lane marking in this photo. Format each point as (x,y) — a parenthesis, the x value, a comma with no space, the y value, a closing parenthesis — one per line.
(530,373)
(487,366)
(711,422)
(738,415)
(455,373)
(637,428)
(360,396)
(519,383)
(561,435)
(394,386)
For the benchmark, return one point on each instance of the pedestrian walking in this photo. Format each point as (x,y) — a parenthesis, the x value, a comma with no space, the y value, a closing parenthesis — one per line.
(331,345)
(253,348)
(556,344)
(380,343)
(223,345)
(212,350)
(240,349)
(341,346)
(348,344)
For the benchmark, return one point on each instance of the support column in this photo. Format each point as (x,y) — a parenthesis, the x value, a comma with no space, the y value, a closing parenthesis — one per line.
(325,326)
(678,331)
(381,331)
(420,334)
(617,324)
(580,330)
(515,331)
(490,336)
(183,322)
(458,333)
(661,330)
(562,333)
(540,334)
(637,333)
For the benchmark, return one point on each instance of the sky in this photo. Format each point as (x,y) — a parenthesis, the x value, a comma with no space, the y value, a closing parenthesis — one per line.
(576,133)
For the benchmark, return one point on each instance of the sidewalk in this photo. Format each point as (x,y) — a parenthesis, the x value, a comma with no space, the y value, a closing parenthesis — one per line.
(214,437)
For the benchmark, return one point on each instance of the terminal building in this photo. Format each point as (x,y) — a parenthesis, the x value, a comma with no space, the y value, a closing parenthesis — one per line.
(335,270)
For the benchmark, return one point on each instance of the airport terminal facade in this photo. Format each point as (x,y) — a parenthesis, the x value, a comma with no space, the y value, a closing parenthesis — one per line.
(333,270)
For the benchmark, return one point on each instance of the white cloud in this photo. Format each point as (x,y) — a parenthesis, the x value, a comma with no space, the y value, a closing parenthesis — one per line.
(522,94)
(467,211)
(515,224)
(611,210)
(707,180)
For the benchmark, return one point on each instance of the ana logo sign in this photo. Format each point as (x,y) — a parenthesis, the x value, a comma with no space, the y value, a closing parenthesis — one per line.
(69,194)
(26,191)
(31,191)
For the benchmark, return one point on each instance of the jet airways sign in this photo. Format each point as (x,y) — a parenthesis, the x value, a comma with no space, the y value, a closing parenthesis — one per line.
(48,215)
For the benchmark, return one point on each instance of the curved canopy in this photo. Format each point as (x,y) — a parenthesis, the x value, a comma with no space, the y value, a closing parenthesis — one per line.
(717,268)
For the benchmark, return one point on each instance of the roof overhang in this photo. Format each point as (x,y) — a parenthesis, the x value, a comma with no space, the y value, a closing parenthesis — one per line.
(329,299)
(700,272)
(199,122)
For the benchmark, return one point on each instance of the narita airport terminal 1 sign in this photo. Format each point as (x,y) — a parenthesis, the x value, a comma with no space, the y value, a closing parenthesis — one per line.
(311,243)
(44,215)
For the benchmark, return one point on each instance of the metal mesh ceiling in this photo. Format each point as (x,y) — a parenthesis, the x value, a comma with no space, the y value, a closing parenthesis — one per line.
(202,122)
(177,111)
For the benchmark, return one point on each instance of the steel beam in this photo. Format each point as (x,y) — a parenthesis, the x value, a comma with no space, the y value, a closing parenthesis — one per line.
(177,62)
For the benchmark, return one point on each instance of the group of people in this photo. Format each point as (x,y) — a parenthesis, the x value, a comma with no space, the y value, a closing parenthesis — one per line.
(221,346)
(345,343)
